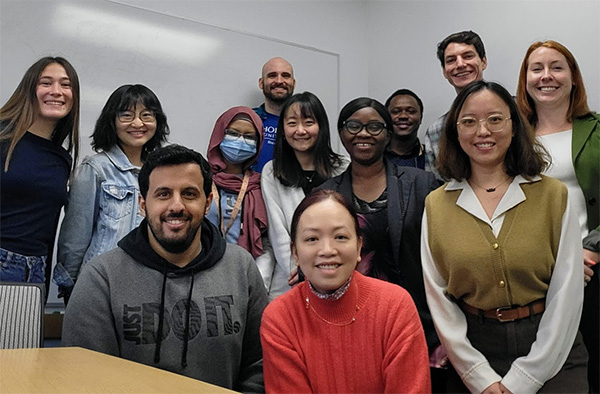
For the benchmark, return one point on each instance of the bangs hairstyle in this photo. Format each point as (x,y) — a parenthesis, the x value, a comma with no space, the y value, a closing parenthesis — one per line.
(365,102)
(285,164)
(405,92)
(172,155)
(316,196)
(17,115)
(125,98)
(468,37)
(578,105)
(524,157)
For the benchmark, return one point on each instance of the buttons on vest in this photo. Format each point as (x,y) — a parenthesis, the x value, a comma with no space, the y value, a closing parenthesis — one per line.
(592,201)
(495,245)
(501,283)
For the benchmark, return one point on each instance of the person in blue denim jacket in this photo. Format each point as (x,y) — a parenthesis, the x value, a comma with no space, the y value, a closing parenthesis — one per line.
(37,122)
(103,197)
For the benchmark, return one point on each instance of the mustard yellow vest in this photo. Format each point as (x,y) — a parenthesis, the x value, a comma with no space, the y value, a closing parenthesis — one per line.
(488,272)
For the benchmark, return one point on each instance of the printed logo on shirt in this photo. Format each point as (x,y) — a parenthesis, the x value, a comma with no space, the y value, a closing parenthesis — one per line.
(140,322)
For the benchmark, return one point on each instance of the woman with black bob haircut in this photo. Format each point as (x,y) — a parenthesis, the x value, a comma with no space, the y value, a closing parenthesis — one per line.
(103,197)
(506,295)
(302,160)
(37,123)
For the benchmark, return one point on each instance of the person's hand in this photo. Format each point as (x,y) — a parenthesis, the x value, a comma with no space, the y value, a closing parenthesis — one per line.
(494,388)
(590,259)
(293,278)
(504,389)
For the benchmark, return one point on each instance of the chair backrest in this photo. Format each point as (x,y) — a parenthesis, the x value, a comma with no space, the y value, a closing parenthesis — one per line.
(21,315)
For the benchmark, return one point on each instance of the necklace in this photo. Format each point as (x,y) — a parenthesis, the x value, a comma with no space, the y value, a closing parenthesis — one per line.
(310,177)
(352,320)
(490,189)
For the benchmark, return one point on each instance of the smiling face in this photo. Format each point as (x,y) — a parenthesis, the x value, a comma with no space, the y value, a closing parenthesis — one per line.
(136,133)
(175,206)
(484,148)
(406,115)
(326,246)
(54,94)
(364,148)
(277,81)
(462,65)
(300,133)
(549,78)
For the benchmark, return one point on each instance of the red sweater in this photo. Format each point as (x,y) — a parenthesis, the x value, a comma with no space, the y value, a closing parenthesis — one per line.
(368,341)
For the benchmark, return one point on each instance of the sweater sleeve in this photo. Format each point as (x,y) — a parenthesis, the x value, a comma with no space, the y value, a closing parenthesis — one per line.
(451,324)
(406,362)
(251,366)
(88,320)
(81,214)
(284,369)
(560,321)
(278,231)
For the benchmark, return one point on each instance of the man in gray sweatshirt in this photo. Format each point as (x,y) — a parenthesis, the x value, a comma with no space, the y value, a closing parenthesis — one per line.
(174,294)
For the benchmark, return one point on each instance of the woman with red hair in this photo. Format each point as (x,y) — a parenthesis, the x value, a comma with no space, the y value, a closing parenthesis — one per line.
(552,98)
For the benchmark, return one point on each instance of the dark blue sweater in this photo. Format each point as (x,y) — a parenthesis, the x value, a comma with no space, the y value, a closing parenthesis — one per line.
(32,193)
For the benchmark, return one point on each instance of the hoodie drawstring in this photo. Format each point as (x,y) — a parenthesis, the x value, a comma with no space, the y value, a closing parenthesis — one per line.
(161,316)
(186,333)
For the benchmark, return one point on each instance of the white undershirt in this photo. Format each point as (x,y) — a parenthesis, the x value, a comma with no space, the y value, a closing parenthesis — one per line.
(558,146)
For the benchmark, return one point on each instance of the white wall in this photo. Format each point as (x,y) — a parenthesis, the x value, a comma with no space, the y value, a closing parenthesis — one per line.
(403,37)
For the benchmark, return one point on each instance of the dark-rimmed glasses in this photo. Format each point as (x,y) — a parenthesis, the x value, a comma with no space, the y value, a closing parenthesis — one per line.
(355,127)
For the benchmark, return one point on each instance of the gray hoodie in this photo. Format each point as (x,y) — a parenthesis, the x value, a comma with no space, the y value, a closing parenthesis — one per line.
(210,310)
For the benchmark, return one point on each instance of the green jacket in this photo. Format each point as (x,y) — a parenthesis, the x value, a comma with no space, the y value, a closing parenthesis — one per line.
(586,160)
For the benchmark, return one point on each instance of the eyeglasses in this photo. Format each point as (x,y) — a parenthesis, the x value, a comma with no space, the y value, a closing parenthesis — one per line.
(471,125)
(250,138)
(355,127)
(129,117)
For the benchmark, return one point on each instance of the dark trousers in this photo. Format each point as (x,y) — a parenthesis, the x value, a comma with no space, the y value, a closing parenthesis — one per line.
(502,343)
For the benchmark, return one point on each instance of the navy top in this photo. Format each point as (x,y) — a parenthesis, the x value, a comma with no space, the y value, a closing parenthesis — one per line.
(270,132)
(32,193)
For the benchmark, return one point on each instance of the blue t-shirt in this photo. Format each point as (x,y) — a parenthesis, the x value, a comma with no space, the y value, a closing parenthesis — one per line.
(32,193)
(227,203)
(270,132)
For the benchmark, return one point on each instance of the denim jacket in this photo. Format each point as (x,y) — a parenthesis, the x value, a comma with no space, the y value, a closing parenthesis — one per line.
(103,207)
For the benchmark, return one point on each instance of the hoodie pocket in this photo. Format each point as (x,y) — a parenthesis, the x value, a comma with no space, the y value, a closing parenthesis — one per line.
(117,200)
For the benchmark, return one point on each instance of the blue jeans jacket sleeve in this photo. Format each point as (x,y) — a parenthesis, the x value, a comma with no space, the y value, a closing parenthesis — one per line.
(78,224)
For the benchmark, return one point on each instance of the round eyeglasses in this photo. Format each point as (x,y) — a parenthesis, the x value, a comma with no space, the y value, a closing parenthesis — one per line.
(249,138)
(129,117)
(471,125)
(355,127)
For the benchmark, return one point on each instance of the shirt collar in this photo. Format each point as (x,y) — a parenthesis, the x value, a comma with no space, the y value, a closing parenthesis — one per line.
(469,202)
(119,159)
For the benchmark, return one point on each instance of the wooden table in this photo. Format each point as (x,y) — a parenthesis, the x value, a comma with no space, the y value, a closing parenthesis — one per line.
(78,370)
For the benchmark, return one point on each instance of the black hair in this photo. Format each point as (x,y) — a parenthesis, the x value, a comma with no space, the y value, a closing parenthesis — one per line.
(285,164)
(365,102)
(317,196)
(524,157)
(405,92)
(123,99)
(468,37)
(173,155)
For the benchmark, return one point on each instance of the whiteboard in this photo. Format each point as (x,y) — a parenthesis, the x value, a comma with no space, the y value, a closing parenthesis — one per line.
(198,71)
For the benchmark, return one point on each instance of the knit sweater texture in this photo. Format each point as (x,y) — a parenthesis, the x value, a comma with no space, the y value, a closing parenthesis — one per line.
(369,341)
